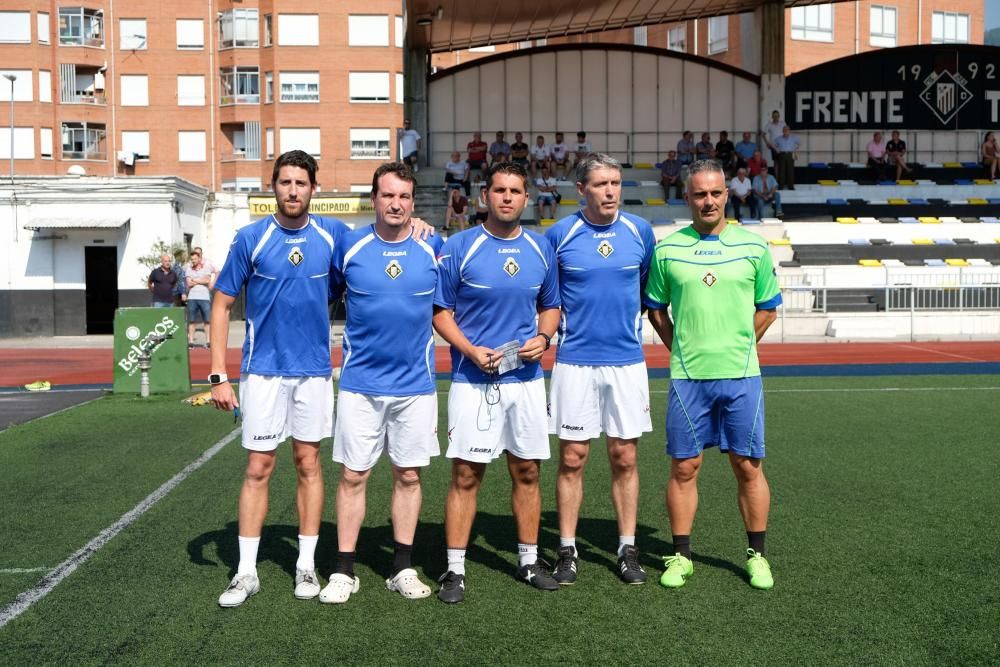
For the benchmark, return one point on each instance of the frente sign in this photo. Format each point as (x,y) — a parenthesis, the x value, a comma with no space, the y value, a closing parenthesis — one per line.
(927,87)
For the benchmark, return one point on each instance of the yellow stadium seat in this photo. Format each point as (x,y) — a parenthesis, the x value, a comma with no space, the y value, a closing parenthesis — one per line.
(983,181)
(569,202)
(978,200)
(847,221)
(827,181)
(956,262)
(656,202)
(906,182)
(547,222)
(952,165)
(643,165)
(929,220)
(870,262)
(922,242)
(733,222)
(781,241)
(897,201)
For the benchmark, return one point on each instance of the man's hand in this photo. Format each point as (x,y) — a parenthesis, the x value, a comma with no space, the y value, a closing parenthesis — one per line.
(532,349)
(487,359)
(421,230)
(223,397)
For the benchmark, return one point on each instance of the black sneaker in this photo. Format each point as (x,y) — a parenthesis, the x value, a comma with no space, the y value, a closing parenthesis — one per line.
(629,569)
(537,575)
(565,572)
(452,588)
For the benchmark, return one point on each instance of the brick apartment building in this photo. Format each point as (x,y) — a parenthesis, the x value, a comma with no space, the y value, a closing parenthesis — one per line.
(208,90)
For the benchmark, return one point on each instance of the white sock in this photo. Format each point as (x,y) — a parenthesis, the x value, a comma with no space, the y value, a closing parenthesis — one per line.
(456,561)
(568,542)
(307,553)
(527,554)
(625,541)
(248,556)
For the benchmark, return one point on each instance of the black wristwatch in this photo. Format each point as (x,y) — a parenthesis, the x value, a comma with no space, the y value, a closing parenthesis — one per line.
(548,339)
(218,378)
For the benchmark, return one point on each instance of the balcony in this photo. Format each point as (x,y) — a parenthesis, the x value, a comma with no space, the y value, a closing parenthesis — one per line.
(84,141)
(81,84)
(241,142)
(79,26)
(239,85)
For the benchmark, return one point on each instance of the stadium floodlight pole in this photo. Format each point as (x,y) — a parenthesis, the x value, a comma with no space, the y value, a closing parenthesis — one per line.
(12,78)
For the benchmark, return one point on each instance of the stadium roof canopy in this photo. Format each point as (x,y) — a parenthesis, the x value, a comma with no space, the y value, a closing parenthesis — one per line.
(447,25)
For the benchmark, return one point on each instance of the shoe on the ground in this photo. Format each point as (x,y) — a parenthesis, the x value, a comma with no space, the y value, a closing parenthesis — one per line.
(537,574)
(240,588)
(306,584)
(452,588)
(629,569)
(340,589)
(759,571)
(38,385)
(679,568)
(408,584)
(565,570)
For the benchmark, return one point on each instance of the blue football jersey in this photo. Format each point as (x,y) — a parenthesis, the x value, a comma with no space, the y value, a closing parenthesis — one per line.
(602,272)
(496,288)
(389,289)
(287,276)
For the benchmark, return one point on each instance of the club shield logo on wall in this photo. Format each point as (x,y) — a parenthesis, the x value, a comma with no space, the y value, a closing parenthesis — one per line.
(296,256)
(945,95)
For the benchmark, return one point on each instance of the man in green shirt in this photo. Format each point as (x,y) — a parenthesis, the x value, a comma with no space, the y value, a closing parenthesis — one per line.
(719,280)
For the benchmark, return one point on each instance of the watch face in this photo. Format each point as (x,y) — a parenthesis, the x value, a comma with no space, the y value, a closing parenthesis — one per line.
(215,378)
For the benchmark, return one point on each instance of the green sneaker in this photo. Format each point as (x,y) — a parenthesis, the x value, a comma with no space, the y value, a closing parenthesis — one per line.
(678,570)
(759,571)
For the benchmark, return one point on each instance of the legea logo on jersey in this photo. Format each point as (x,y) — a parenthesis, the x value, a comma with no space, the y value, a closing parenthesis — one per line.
(709,279)
(393,269)
(605,249)
(296,256)
(510,267)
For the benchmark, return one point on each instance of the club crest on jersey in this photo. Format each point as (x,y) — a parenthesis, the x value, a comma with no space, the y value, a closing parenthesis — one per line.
(709,279)
(393,269)
(296,256)
(605,249)
(510,267)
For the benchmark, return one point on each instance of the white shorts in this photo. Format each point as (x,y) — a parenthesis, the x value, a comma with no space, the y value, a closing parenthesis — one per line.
(367,425)
(275,407)
(482,424)
(588,400)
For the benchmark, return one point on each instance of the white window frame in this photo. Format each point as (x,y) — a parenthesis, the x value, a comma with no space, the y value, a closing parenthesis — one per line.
(640,35)
(19,26)
(400,89)
(298,87)
(718,34)
(370,143)
(136,142)
(244,28)
(85,27)
(307,139)
(298,29)
(45,141)
(879,34)
(268,29)
(268,87)
(185,29)
(195,139)
(133,34)
(190,90)
(368,30)
(675,44)
(44,30)
(368,87)
(269,142)
(44,85)
(134,90)
(813,23)
(939,27)
(400,32)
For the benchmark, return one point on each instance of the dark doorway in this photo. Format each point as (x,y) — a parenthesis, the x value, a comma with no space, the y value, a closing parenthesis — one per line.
(102,288)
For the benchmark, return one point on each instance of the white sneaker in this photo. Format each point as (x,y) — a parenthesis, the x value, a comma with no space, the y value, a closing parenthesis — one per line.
(340,589)
(306,584)
(240,588)
(408,584)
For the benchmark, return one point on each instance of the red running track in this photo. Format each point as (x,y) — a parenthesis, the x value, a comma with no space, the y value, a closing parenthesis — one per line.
(94,366)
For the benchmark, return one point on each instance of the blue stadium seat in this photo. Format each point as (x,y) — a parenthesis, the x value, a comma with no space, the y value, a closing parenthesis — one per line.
(818,165)
(990,219)
(658,165)
(963,181)
(909,220)
(918,200)
(630,184)
(943,241)
(971,165)
(750,221)
(934,262)
(662,222)
(887,182)
(993,200)
(836,201)
(858,242)
(676,202)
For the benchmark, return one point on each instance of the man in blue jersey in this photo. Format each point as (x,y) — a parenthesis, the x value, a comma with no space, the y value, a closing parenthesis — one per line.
(498,287)
(599,382)
(387,400)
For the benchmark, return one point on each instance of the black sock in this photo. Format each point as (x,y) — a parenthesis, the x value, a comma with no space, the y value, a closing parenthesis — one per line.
(756,540)
(682,545)
(345,563)
(401,556)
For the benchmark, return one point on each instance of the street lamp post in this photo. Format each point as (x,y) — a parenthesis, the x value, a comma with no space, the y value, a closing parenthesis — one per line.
(12,78)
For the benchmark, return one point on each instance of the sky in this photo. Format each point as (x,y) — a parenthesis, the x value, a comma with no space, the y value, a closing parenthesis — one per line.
(992,14)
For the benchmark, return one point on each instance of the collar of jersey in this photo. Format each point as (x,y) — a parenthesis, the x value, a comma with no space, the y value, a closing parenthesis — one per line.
(382,240)
(520,233)
(290,230)
(597,224)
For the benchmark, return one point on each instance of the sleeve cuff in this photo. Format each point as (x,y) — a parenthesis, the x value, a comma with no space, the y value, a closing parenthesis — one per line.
(652,304)
(771,303)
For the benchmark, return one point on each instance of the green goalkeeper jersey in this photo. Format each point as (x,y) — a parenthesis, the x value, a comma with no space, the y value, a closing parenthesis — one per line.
(714,284)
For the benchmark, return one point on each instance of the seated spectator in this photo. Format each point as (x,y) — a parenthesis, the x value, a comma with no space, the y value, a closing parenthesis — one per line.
(582,148)
(895,154)
(519,151)
(546,185)
(499,150)
(988,153)
(560,155)
(876,156)
(704,150)
(540,155)
(458,207)
(744,151)
(482,207)
(765,191)
(725,153)
(456,173)
(685,150)
(670,176)
(477,155)
(755,164)
(741,194)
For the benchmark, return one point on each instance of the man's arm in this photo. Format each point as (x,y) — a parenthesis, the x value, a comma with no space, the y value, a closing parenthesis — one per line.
(445,324)
(660,320)
(222,394)
(534,347)
(762,320)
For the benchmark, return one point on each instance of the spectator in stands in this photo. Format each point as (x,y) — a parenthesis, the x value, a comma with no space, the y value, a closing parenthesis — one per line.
(482,207)
(560,155)
(181,286)
(519,151)
(409,146)
(582,149)
(725,153)
(670,176)
(988,153)
(541,156)
(456,173)
(457,210)
(546,186)
(771,132)
(744,151)
(895,154)
(704,150)
(477,155)
(741,193)
(201,275)
(765,191)
(876,156)
(162,282)
(685,152)
(756,163)
(786,146)
(499,150)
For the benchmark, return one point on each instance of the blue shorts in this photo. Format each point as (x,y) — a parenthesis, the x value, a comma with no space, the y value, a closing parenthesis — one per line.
(546,197)
(195,306)
(706,413)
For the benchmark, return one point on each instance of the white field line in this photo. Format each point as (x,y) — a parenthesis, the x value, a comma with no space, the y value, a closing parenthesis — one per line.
(24,600)
(23,570)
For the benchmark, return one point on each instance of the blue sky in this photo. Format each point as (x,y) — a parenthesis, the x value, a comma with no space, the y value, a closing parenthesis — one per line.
(992,14)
